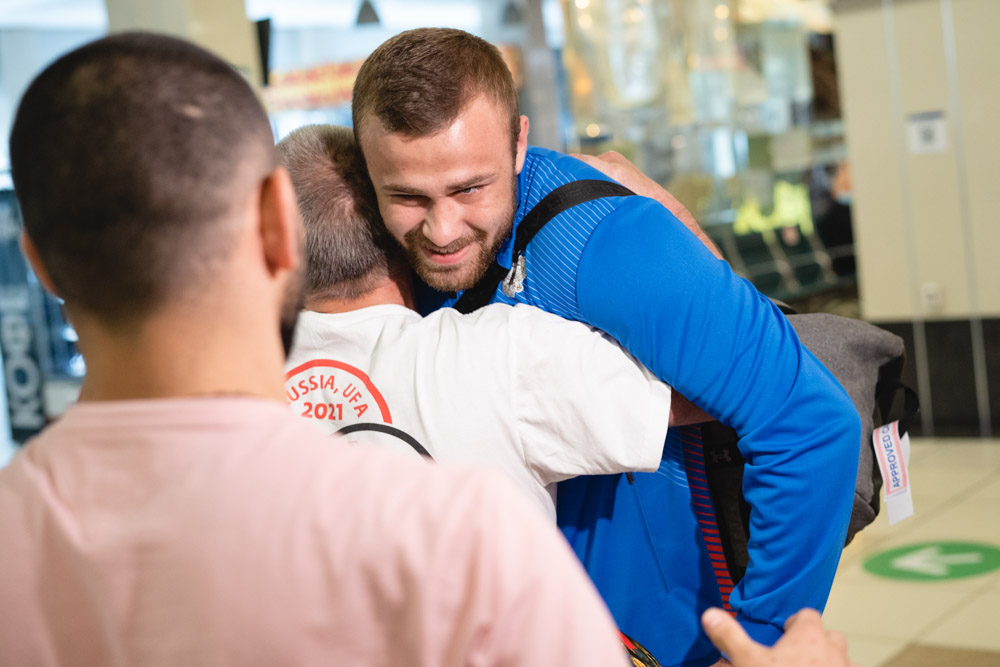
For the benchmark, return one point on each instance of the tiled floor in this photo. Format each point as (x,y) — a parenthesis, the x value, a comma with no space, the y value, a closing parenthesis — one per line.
(892,622)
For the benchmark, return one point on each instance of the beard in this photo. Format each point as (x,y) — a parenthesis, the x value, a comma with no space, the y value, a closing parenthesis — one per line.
(291,306)
(464,274)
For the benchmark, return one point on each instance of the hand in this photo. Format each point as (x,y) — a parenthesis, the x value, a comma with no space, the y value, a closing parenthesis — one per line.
(804,643)
(683,412)
(615,165)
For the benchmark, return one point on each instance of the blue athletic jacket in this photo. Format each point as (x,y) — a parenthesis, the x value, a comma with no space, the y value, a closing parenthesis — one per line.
(628,266)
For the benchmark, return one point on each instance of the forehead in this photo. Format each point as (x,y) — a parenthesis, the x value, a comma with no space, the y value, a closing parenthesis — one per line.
(477,140)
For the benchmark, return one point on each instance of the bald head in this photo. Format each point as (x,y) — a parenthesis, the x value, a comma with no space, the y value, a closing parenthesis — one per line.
(348,249)
(130,156)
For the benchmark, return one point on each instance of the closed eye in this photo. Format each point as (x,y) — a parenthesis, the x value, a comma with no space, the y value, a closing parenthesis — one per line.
(405,198)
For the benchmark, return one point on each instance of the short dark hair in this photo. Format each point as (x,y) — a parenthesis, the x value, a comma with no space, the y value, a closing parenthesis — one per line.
(129,155)
(348,249)
(418,82)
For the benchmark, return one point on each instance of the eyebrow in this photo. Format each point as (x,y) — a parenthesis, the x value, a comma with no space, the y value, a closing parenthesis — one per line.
(477,179)
(401,189)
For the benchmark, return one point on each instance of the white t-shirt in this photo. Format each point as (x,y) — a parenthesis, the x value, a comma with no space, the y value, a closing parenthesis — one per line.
(224,531)
(541,398)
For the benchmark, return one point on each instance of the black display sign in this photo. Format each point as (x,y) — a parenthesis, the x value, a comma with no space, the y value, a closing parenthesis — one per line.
(22,369)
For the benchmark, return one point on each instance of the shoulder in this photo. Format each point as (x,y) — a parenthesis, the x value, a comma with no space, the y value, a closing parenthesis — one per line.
(15,479)
(387,503)
(431,523)
(498,315)
(544,170)
(520,328)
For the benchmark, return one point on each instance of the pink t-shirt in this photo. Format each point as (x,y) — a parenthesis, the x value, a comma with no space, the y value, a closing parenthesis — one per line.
(227,531)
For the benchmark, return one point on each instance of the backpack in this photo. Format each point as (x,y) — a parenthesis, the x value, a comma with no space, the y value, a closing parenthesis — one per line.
(868,363)
(866,360)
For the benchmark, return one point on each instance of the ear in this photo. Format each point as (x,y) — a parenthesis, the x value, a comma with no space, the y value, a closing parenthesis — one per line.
(280,225)
(522,145)
(34,259)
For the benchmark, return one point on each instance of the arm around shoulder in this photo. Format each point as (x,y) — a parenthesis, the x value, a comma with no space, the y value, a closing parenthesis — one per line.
(614,165)
(719,342)
(584,406)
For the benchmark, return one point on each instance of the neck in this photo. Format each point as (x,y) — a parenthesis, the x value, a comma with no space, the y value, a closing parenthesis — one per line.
(390,291)
(183,352)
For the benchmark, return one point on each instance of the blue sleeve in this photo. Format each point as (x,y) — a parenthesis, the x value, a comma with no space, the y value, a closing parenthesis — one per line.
(652,285)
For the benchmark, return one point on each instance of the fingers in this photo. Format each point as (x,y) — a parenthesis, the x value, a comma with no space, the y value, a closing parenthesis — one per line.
(684,412)
(838,643)
(805,642)
(837,640)
(730,638)
(616,158)
(609,168)
(610,161)
(808,617)
(804,632)
(593,161)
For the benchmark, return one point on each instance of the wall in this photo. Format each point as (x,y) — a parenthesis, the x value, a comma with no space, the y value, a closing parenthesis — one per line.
(924,209)
(220,26)
(23,53)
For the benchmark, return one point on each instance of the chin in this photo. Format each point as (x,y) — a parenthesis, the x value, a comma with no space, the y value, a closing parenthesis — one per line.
(446,283)
(452,280)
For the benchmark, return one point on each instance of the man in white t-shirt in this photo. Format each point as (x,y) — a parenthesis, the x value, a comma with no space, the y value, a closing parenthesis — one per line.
(178,514)
(520,389)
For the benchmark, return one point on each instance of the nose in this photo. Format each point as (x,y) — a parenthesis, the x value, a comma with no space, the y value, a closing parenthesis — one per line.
(443,223)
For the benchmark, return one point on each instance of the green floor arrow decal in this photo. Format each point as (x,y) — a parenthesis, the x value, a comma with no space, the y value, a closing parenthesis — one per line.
(935,561)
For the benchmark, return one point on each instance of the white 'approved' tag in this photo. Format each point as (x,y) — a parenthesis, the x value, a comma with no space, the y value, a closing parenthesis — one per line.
(893,455)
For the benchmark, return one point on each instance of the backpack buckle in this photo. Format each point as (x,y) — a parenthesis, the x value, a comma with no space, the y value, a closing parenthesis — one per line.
(513,283)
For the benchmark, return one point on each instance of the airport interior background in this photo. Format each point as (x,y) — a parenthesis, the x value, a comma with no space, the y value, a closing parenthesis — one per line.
(839,152)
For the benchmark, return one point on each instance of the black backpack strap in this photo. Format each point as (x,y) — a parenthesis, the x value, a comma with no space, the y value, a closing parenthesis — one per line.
(388,430)
(561,199)
(724,471)
(885,394)
(480,294)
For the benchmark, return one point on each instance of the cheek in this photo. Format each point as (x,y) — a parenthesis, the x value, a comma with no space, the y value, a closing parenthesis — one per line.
(492,213)
(400,219)
(398,225)
(481,217)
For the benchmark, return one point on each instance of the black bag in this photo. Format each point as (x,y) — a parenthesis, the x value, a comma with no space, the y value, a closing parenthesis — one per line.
(868,362)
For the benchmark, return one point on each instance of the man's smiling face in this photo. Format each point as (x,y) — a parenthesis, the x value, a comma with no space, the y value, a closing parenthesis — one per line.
(449,198)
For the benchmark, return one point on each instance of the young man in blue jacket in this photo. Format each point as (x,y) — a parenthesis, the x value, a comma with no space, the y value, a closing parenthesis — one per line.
(435,112)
